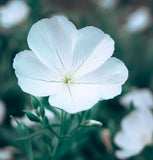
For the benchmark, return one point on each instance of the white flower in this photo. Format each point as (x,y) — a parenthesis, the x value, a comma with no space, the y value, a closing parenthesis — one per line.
(141,98)
(6,153)
(138,20)
(73,67)
(13,13)
(50,115)
(136,133)
(2,112)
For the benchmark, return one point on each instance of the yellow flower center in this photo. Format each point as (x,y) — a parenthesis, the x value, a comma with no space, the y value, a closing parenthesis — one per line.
(67,80)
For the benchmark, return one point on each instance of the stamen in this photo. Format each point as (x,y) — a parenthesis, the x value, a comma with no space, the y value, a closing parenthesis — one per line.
(68,80)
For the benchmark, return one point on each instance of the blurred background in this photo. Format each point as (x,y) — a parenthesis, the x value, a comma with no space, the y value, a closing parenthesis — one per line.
(129,22)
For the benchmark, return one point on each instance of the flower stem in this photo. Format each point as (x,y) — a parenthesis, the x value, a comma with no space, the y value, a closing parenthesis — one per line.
(54,154)
(63,131)
(62,123)
(50,128)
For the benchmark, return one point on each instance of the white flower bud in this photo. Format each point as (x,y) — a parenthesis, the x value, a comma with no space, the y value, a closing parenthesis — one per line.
(93,123)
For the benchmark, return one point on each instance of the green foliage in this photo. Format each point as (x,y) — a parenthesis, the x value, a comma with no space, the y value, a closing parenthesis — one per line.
(35,102)
(42,111)
(45,120)
(32,117)
(26,145)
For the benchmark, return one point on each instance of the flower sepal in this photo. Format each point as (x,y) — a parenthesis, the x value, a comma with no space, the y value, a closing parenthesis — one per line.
(35,102)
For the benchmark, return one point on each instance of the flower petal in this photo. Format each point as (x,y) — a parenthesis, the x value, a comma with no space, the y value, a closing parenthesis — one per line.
(93,47)
(113,71)
(108,91)
(27,65)
(34,77)
(39,88)
(141,98)
(136,133)
(129,144)
(142,123)
(52,41)
(127,141)
(124,154)
(80,97)
(77,98)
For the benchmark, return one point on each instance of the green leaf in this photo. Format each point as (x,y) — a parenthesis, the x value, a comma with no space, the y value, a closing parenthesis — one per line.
(25,145)
(37,112)
(32,117)
(87,114)
(39,133)
(35,102)
(14,119)
(47,140)
(79,117)
(45,120)
(68,123)
(42,111)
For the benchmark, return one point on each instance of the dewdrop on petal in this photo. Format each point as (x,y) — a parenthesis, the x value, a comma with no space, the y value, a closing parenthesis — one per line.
(75,67)
(2,112)
(13,13)
(140,97)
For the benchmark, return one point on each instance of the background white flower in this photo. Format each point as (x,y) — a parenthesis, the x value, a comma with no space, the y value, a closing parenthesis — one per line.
(141,98)
(2,112)
(73,67)
(136,133)
(6,153)
(13,13)
(139,20)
